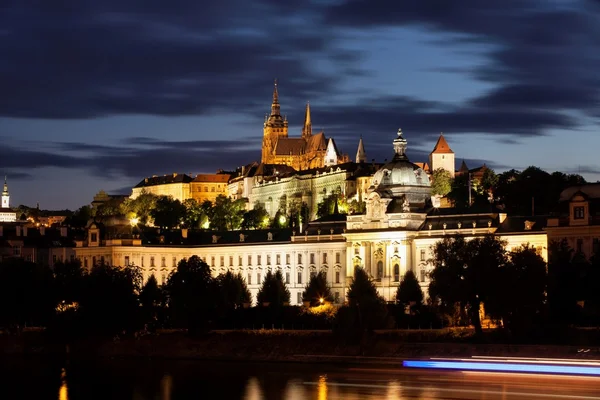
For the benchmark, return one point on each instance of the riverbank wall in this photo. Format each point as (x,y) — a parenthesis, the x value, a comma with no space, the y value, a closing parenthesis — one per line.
(286,346)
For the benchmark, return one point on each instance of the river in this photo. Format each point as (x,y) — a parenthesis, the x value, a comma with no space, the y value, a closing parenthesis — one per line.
(174,380)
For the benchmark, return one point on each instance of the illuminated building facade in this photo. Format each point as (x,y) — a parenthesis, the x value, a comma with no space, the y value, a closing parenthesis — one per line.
(6,213)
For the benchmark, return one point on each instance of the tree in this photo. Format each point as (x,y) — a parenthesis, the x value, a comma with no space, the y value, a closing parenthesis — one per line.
(109,302)
(227,214)
(141,207)
(328,205)
(489,181)
(365,302)
(357,207)
(525,275)
(194,215)
(79,218)
(273,290)
(233,291)
(467,273)
(68,279)
(152,301)
(316,289)
(409,291)
(442,182)
(192,294)
(256,218)
(168,212)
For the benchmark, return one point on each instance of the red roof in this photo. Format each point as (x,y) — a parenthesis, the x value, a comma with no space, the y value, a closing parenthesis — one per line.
(442,146)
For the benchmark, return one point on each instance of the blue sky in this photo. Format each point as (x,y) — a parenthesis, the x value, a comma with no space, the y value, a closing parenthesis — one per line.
(98,95)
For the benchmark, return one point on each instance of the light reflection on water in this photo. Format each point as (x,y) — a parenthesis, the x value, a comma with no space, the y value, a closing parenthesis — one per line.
(63,391)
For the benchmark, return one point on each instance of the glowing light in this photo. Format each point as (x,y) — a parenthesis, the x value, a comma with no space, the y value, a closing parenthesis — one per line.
(322,388)
(321,300)
(206,224)
(63,391)
(504,367)
(134,221)
(282,219)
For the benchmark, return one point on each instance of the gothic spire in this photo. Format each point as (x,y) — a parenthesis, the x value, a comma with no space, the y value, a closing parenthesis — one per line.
(361,156)
(275,108)
(5,191)
(307,128)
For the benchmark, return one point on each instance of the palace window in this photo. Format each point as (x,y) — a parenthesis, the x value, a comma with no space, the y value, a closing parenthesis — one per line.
(268,259)
(299,280)
(258,259)
(396,273)
(337,276)
(324,258)
(151,261)
(249,278)
(287,278)
(578,212)
(163,262)
(231,261)
(423,274)
(212,261)
(422,255)
(258,278)
(299,258)
(357,250)
(222,261)
(94,237)
(174,261)
(249,260)
(312,258)
(299,298)
(278,259)
(379,270)
(212,189)
(287,258)
(163,278)
(240,261)
(338,258)
(127,261)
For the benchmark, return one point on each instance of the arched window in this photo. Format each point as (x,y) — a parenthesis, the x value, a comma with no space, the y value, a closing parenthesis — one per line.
(379,270)
(396,273)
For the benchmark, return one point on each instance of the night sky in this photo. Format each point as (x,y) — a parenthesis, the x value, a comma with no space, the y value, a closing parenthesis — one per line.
(100,94)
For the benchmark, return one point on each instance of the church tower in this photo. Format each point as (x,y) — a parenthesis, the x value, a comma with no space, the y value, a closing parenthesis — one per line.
(274,127)
(361,156)
(442,156)
(5,195)
(307,127)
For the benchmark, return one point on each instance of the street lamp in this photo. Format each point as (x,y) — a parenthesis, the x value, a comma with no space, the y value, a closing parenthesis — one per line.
(321,300)
(134,221)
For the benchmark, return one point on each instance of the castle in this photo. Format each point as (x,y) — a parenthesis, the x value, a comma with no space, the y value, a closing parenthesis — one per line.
(306,152)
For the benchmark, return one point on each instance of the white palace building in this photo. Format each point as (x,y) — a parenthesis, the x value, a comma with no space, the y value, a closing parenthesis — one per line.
(395,235)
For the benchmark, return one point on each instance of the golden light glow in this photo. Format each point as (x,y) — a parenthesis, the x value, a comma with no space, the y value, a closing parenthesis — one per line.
(206,224)
(321,300)
(322,388)
(282,219)
(63,392)
(134,221)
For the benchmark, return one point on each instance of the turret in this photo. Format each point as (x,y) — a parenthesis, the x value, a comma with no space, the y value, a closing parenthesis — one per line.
(442,156)
(5,195)
(361,156)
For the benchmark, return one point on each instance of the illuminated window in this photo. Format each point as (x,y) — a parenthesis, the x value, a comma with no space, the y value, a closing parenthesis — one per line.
(127,261)
(578,212)
(422,255)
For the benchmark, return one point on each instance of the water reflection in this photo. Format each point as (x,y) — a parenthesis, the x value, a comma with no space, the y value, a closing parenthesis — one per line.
(322,388)
(63,391)
(166,387)
(253,391)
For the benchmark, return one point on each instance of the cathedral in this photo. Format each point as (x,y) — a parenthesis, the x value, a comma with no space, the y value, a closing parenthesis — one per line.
(306,152)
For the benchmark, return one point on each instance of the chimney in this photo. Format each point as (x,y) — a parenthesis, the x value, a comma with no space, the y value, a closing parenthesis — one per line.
(184,233)
(63,231)
(42,230)
(18,230)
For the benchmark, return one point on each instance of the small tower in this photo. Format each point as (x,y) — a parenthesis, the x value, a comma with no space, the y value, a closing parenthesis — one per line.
(5,195)
(331,154)
(361,156)
(307,127)
(442,156)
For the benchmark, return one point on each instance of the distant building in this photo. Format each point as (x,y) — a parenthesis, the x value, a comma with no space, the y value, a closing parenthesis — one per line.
(209,187)
(6,213)
(577,219)
(306,152)
(442,156)
(183,187)
(45,246)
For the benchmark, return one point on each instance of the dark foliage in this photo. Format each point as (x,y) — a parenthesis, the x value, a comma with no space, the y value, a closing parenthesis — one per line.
(316,289)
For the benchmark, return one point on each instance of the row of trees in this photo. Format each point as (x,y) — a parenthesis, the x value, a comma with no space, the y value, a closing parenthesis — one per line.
(519,192)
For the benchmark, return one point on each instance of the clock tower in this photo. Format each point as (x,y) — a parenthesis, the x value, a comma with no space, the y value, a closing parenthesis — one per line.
(5,195)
